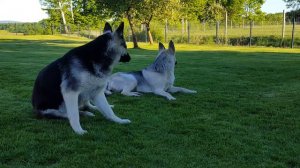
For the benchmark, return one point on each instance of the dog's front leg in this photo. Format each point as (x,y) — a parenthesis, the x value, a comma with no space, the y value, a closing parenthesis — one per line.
(71,103)
(174,89)
(101,103)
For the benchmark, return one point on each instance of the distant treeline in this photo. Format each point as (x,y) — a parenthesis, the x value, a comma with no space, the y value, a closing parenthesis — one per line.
(46,27)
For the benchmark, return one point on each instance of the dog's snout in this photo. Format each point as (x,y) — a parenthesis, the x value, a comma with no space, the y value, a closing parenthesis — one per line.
(125,58)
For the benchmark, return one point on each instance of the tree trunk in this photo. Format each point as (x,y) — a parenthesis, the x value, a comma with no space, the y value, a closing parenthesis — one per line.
(63,17)
(71,9)
(283,29)
(293,31)
(149,33)
(134,39)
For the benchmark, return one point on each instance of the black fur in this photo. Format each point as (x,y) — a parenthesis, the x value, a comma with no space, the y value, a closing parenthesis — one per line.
(47,88)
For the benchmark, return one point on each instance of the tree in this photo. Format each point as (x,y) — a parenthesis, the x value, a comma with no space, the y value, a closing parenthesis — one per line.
(120,9)
(253,8)
(154,9)
(60,5)
(295,4)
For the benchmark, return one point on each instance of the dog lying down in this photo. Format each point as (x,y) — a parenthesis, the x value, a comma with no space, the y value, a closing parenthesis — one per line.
(157,78)
(79,77)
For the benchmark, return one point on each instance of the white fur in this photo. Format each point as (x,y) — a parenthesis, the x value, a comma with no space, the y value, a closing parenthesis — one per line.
(102,104)
(91,88)
(157,78)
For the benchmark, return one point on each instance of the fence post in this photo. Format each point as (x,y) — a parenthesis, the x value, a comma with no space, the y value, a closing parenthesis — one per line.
(34,25)
(283,29)
(128,30)
(189,32)
(52,29)
(146,35)
(89,30)
(16,29)
(293,31)
(250,38)
(166,31)
(226,20)
(78,30)
(217,32)
(182,29)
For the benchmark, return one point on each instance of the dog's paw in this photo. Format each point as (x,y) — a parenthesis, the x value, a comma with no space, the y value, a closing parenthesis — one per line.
(81,132)
(171,98)
(108,92)
(125,121)
(131,93)
(136,93)
(87,114)
(193,91)
(112,106)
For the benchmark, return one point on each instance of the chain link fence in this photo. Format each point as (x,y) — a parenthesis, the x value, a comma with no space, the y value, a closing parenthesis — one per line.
(276,34)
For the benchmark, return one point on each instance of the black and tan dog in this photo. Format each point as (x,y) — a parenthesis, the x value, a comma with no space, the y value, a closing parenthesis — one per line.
(80,77)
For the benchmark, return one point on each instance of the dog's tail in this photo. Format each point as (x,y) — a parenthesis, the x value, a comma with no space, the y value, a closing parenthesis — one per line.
(50,114)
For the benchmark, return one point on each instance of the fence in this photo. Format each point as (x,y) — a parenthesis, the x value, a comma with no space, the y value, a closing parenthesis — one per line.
(260,33)
(242,33)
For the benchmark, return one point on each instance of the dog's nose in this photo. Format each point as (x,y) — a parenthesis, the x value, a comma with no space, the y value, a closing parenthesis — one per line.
(125,58)
(175,62)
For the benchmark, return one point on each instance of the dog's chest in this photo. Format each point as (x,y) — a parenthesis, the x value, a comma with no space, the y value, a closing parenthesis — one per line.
(91,85)
(170,78)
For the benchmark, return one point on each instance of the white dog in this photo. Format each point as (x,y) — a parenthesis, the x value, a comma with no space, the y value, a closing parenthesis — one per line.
(157,78)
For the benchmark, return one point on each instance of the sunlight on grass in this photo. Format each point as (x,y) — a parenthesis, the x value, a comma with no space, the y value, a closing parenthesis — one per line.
(245,114)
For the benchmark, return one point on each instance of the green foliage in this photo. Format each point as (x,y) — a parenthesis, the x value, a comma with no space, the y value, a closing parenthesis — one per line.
(253,9)
(295,4)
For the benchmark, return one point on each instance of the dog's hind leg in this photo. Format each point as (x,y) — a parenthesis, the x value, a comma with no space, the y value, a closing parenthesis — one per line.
(129,86)
(128,93)
(53,113)
(71,103)
(87,113)
(105,109)
(174,89)
(164,93)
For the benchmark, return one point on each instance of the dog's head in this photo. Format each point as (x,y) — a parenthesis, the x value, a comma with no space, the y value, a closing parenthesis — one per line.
(165,60)
(167,54)
(118,42)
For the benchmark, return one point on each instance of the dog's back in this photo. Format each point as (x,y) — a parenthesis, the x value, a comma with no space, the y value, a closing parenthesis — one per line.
(46,90)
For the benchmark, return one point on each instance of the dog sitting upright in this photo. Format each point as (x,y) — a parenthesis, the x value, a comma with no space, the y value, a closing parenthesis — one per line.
(80,76)
(157,78)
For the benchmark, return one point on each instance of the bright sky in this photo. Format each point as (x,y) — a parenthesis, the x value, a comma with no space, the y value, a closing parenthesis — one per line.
(273,6)
(21,10)
(30,10)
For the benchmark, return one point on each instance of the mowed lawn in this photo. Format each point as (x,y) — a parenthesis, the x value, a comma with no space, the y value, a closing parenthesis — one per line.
(246,112)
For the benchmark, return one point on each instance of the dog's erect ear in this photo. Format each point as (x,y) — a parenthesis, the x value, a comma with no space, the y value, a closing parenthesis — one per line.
(107,28)
(171,47)
(120,29)
(161,46)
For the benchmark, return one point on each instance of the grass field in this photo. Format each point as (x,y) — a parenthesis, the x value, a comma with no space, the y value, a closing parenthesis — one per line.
(245,114)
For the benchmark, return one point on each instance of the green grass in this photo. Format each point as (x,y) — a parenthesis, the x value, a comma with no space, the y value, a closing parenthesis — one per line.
(245,114)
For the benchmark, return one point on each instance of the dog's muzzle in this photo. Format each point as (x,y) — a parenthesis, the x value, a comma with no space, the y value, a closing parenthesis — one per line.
(125,58)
